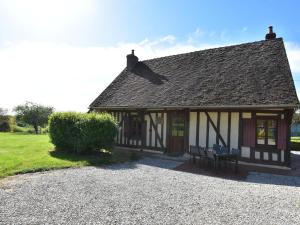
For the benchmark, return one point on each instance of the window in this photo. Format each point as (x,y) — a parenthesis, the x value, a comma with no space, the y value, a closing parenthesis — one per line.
(266,130)
(133,127)
(136,127)
(177,127)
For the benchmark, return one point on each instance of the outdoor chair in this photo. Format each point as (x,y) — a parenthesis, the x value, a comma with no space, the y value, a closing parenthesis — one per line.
(202,154)
(235,151)
(194,151)
(216,147)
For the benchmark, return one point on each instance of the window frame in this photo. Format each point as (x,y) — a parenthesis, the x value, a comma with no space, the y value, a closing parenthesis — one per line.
(266,145)
(133,131)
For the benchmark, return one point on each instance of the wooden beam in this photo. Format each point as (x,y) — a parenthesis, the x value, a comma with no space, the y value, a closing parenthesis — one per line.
(218,127)
(122,128)
(215,128)
(118,128)
(229,130)
(240,138)
(162,125)
(197,129)
(156,132)
(207,131)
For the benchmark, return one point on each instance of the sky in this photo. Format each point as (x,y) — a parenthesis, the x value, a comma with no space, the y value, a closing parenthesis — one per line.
(64,53)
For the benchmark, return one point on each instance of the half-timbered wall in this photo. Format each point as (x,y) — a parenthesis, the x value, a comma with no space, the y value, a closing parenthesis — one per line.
(154,126)
(231,128)
(207,135)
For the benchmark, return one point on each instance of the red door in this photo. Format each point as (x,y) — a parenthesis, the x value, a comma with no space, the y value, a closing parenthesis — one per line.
(176,132)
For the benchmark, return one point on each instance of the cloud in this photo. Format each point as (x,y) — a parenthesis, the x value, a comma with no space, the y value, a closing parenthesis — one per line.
(293,53)
(244,29)
(70,78)
(196,35)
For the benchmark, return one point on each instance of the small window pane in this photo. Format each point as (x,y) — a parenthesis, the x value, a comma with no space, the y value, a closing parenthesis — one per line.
(260,132)
(271,132)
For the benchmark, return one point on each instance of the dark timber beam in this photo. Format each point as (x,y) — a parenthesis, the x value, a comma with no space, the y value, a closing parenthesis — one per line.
(156,132)
(229,130)
(197,128)
(216,129)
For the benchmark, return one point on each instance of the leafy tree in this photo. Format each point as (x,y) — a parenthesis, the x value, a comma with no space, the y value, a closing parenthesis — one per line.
(296,117)
(33,114)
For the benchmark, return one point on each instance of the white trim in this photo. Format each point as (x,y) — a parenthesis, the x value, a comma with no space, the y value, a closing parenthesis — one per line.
(264,165)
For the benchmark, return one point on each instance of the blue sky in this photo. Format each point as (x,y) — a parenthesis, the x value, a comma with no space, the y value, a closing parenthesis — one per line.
(65,52)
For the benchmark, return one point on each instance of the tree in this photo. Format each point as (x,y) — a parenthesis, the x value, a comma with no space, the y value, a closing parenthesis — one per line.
(33,114)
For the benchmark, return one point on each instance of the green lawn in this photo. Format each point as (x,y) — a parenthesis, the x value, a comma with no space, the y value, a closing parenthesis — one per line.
(22,153)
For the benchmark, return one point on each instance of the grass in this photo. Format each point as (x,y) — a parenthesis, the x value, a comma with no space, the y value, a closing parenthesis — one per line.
(295,143)
(23,153)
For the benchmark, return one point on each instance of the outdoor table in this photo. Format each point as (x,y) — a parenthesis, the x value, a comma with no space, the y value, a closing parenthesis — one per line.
(223,156)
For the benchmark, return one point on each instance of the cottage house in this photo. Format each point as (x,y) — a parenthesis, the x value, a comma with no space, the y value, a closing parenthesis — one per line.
(240,96)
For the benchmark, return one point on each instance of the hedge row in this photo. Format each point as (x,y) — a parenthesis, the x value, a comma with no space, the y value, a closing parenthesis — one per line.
(82,132)
(7,123)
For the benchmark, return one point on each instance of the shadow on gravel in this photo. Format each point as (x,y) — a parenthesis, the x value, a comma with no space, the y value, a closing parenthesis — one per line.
(251,174)
(145,161)
(95,158)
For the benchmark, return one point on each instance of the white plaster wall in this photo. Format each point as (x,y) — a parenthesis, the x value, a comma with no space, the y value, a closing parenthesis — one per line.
(257,155)
(165,129)
(193,125)
(158,128)
(274,157)
(245,152)
(202,129)
(282,155)
(234,131)
(212,132)
(153,131)
(147,130)
(224,126)
(266,156)
(246,115)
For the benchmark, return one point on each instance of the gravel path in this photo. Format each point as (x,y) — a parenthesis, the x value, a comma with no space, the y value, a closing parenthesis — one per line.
(143,192)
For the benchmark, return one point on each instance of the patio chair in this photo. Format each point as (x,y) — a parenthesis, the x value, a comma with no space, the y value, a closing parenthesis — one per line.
(216,147)
(235,151)
(202,154)
(210,157)
(194,151)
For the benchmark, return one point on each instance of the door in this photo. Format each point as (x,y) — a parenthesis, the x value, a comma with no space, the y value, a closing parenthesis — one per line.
(176,132)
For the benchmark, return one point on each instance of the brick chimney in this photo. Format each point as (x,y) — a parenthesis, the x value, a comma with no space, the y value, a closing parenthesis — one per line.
(271,35)
(132,60)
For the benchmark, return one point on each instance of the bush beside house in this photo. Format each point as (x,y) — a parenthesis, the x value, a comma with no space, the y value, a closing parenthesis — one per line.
(82,132)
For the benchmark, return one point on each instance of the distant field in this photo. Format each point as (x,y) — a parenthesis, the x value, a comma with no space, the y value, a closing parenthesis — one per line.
(295,143)
(22,153)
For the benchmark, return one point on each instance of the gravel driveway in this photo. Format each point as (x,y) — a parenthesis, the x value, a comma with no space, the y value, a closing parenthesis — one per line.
(143,192)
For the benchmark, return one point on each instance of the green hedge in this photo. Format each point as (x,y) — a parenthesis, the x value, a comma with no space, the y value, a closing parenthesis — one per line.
(7,123)
(82,132)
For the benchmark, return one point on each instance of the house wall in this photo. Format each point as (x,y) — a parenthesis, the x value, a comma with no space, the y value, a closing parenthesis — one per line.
(237,129)
(151,140)
(208,135)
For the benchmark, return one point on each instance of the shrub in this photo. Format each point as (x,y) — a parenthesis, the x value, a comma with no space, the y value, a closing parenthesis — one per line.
(4,126)
(82,132)
(7,123)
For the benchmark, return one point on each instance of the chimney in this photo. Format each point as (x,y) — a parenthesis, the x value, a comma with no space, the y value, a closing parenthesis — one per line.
(132,60)
(271,35)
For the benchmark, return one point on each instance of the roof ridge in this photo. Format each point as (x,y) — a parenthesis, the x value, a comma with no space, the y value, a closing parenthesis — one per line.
(216,48)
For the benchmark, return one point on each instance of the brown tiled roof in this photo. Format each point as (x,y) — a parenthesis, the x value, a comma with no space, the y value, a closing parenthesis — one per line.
(251,74)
